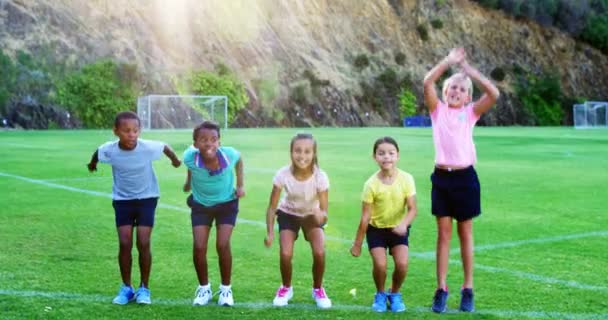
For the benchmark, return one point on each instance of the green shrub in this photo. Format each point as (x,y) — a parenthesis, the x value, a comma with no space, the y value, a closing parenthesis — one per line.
(541,97)
(498,74)
(400,58)
(596,32)
(223,84)
(437,23)
(361,61)
(300,94)
(407,103)
(422,32)
(314,80)
(8,78)
(98,91)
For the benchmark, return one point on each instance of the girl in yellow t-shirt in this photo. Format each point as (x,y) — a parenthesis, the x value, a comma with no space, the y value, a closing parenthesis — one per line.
(388,209)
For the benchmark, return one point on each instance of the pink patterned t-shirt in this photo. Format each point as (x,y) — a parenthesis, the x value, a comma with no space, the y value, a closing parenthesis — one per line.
(453,135)
(300,197)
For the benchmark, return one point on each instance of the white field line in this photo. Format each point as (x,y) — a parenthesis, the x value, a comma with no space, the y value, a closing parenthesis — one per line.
(186,302)
(422,255)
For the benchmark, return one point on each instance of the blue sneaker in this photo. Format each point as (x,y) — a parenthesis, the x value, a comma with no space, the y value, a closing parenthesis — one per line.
(379,302)
(440,301)
(125,295)
(467,304)
(396,302)
(143,296)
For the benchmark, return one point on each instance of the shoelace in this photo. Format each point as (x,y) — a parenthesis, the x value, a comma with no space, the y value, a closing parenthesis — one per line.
(320,293)
(201,292)
(225,293)
(282,292)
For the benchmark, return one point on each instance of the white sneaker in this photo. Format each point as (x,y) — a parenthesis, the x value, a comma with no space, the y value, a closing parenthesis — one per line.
(283,296)
(202,295)
(321,298)
(225,298)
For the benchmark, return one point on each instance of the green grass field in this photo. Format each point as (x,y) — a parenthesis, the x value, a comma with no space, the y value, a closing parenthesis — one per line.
(541,247)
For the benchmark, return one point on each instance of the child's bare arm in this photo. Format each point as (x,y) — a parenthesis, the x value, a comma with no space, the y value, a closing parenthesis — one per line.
(366,214)
(240,188)
(491,93)
(456,55)
(92,165)
(171,155)
(187,184)
(270,214)
(412,211)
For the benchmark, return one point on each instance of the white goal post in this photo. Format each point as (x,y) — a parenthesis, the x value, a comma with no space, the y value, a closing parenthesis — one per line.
(181,111)
(591,114)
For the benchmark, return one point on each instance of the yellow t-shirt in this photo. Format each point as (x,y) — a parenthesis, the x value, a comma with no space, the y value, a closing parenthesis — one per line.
(388,201)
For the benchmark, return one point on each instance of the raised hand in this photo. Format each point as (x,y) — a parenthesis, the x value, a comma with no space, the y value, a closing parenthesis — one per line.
(456,56)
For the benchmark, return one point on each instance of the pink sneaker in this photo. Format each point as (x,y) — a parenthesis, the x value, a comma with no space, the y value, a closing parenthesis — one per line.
(283,296)
(321,298)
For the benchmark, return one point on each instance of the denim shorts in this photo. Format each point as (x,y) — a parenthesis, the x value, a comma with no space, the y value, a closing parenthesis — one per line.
(222,213)
(456,193)
(385,237)
(136,212)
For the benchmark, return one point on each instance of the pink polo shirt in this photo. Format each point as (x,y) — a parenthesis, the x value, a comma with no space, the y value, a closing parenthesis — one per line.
(453,135)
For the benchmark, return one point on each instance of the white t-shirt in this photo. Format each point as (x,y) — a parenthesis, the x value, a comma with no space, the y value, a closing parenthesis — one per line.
(300,197)
(132,170)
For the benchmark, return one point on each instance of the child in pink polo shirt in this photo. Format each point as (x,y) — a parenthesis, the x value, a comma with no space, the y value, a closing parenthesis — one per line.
(304,206)
(455,187)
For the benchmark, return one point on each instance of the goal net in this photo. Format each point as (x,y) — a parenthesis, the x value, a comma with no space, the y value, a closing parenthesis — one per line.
(181,111)
(591,114)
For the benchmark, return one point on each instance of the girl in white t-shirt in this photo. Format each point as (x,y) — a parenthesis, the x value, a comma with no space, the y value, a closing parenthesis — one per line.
(304,206)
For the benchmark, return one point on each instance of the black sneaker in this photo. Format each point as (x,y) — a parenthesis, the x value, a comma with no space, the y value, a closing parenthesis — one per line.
(467,303)
(440,301)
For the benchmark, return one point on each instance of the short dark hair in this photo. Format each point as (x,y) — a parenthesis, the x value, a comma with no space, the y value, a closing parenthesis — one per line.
(206,125)
(126,115)
(385,140)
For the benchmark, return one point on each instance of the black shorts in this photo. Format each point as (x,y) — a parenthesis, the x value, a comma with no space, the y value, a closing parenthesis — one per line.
(455,193)
(136,212)
(222,213)
(385,237)
(290,222)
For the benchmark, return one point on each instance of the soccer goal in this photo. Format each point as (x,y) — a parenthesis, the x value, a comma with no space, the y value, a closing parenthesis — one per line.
(181,111)
(591,114)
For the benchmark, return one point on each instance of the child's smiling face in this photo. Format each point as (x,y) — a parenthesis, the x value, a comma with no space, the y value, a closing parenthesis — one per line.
(386,156)
(457,93)
(207,142)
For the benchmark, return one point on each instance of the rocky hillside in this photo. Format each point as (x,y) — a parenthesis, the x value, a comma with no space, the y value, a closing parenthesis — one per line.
(304,49)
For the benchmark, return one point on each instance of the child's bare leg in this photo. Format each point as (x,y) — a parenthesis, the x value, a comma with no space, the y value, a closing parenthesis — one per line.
(465,233)
(224,252)
(444,235)
(125,243)
(286,240)
(379,270)
(316,237)
(400,256)
(200,236)
(145,254)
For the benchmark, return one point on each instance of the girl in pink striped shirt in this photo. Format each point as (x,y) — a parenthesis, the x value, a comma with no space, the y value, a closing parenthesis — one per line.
(455,187)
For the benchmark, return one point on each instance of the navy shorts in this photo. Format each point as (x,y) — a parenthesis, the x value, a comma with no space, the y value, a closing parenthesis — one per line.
(222,213)
(136,212)
(385,237)
(455,193)
(290,222)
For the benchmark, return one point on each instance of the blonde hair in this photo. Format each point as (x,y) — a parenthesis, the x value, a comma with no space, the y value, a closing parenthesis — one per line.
(457,77)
